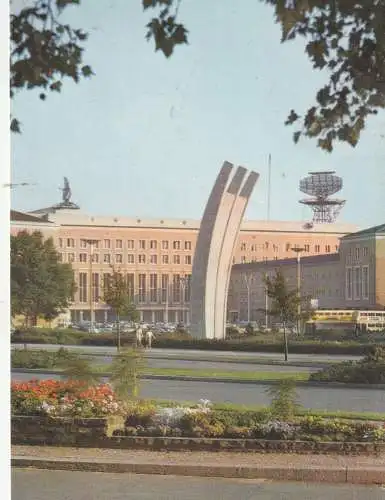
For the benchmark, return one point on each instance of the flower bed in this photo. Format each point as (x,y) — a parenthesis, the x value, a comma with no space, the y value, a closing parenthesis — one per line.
(44,408)
(64,399)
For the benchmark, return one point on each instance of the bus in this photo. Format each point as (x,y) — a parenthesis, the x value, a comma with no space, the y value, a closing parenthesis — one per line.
(357,320)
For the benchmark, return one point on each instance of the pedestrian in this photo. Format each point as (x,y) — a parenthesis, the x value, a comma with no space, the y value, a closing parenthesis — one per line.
(149,337)
(139,337)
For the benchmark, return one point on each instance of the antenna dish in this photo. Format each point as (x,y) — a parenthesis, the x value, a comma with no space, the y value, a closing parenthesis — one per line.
(320,186)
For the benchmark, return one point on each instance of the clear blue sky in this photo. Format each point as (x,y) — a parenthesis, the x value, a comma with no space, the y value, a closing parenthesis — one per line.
(146,136)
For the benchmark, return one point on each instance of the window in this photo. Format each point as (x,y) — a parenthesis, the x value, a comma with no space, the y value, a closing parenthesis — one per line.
(107,258)
(106,281)
(95,244)
(142,244)
(119,244)
(187,259)
(164,245)
(130,244)
(60,257)
(131,285)
(70,242)
(153,287)
(83,257)
(243,246)
(187,288)
(365,282)
(288,246)
(176,259)
(71,257)
(142,288)
(336,248)
(327,248)
(365,252)
(153,244)
(60,242)
(266,245)
(153,259)
(357,282)
(176,288)
(83,243)
(306,248)
(357,253)
(349,283)
(83,287)
(107,244)
(130,258)
(176,245)
(243,259)
(141,258)
(119,258)
(187,245)
(95,257)
(317,248)
(165,259)
(165,287)
(95,287)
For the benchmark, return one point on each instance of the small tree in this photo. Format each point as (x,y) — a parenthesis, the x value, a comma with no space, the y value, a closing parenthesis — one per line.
(284,403)
(80,369)
(125,373)
(117,296)
(284,303)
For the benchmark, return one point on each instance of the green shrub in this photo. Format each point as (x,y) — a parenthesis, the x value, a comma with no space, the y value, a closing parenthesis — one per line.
(283,404)
(370,370)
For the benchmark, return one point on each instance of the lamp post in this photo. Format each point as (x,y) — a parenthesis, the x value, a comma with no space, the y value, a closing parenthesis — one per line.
(298,251)
(91,243)
(182,283)
(247,279)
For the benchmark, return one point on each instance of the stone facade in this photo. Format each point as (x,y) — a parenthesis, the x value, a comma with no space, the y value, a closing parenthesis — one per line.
(214,250)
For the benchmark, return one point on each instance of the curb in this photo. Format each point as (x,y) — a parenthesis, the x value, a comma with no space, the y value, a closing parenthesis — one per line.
(368,475)
(187,378)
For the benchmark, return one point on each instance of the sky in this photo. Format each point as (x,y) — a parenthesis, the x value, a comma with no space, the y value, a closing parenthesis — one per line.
(146,136)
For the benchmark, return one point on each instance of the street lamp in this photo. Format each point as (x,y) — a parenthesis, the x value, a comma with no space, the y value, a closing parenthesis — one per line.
(182,283)
(298,251)
(247,279)
(91,243)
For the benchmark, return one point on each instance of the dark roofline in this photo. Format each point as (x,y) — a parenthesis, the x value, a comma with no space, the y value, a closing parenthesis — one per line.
(380,229)
(17,216)
(311,259)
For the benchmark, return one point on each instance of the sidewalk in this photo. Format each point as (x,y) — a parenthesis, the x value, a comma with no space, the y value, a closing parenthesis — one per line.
(282,467)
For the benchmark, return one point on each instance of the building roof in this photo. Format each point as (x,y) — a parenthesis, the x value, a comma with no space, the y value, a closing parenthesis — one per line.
(17,216)
(370,231)
(76,218)
(308,260)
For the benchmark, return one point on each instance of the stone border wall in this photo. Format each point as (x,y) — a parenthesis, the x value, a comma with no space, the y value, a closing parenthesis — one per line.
(99,433)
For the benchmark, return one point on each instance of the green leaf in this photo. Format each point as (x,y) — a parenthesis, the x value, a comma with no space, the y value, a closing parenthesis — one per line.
(87,71)
(296,137)
(15,126)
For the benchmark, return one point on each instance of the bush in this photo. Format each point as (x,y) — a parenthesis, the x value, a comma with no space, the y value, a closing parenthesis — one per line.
(370,370)
(256,343)
(22,358)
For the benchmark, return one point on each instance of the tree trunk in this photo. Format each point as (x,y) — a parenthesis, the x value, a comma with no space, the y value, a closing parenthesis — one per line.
(285,342)
(118,331)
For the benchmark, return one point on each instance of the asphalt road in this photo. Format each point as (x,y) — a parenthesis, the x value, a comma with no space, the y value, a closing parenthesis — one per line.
(320,398)
(29,484)
(196,354)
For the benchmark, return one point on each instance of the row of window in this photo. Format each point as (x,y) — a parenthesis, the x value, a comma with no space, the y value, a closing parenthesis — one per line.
(357,283)
(289,247)
(107,244)
(131,258)
(357,252)
(149,288)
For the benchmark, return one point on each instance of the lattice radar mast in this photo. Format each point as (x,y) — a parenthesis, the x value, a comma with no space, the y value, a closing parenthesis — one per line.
(320,186)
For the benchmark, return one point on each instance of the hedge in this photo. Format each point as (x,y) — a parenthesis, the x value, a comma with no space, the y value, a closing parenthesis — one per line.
(71,337)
